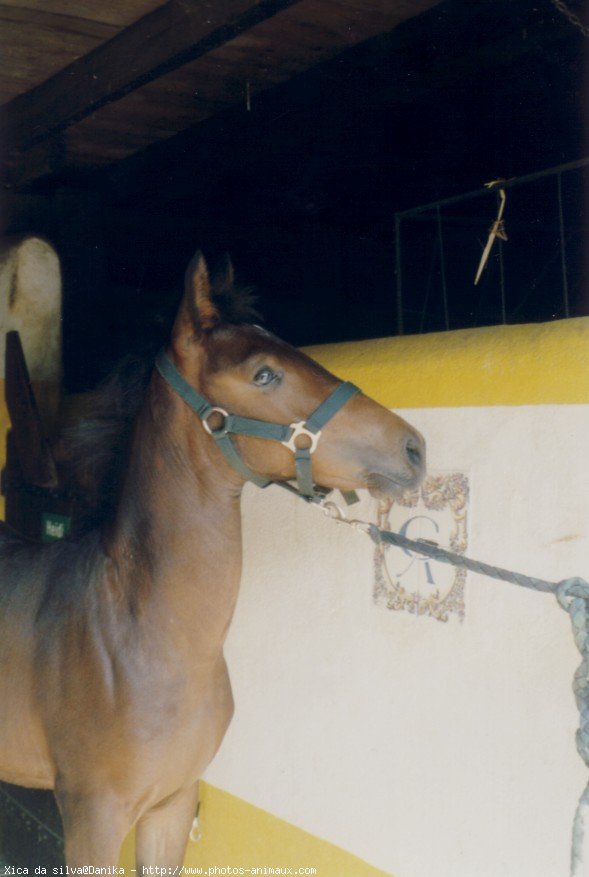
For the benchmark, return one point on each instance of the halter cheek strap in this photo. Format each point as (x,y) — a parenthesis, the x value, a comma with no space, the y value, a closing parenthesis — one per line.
(232,424)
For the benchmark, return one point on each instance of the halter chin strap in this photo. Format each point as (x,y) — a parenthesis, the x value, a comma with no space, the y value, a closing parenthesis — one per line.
(232,424)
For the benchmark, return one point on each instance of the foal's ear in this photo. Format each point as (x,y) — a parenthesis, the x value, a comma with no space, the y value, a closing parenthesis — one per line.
(197,312)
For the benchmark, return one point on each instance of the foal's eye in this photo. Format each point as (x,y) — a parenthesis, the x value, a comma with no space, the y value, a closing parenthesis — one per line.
(265,376)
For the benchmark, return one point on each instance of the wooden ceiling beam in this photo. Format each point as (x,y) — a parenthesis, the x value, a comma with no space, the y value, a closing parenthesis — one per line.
(395,68)
(173,34)
(442,46)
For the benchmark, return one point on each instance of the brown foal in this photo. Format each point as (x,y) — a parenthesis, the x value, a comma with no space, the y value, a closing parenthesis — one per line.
(113,684)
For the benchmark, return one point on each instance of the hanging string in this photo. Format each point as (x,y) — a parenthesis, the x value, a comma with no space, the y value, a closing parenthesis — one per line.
(497,230)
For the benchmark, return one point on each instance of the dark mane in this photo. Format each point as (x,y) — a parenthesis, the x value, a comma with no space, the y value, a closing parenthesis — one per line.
(237,306)
(236,303)
(94,442)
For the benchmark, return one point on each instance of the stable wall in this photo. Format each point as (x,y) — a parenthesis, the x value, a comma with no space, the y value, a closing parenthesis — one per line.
(368,740)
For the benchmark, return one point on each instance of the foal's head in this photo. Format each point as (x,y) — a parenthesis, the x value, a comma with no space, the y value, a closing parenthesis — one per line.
(244,370)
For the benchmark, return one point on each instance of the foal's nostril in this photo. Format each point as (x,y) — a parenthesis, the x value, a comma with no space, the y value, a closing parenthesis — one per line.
(414,451)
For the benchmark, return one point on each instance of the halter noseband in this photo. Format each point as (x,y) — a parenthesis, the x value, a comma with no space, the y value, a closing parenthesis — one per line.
(233,424)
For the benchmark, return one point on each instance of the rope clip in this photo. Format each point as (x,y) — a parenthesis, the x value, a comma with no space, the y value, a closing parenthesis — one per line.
(332,510)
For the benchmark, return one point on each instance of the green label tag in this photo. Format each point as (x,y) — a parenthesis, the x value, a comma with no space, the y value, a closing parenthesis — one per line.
(54,527)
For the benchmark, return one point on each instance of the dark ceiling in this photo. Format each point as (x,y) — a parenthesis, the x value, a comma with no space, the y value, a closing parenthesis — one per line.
(289,134)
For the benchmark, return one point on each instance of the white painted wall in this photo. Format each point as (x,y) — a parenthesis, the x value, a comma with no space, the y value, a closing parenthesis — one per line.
(427,749)
(30,302)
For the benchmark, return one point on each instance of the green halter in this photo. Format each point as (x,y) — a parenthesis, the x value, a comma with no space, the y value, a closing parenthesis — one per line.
(233,424)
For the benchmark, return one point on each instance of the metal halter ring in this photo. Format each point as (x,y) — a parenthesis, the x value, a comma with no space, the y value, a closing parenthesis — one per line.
(222,430)
(299,429)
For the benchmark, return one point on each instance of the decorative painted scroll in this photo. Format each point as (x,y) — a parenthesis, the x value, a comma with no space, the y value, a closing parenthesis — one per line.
(437,511)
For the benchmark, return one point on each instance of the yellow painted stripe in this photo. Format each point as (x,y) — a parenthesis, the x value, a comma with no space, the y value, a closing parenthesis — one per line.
(236,835)
(542,363)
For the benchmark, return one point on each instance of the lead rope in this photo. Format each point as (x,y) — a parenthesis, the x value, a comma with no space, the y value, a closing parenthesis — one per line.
(572,595)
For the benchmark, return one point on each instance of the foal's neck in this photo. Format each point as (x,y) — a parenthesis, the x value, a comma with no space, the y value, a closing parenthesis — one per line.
(176,541)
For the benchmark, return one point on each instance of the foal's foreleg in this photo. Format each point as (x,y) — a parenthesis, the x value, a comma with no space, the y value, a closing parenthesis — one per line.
(94,828)
(162,833)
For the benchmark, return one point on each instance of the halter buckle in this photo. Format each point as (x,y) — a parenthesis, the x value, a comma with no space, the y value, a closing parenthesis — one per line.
(222,430)
(299,429)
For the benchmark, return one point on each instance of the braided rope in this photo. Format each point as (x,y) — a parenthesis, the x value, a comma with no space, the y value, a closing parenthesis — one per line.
(572,595)
(432,550)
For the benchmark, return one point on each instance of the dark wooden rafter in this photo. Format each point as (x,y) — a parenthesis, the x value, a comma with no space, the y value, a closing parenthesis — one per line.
(42,144)
(394,68)
(170,36)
